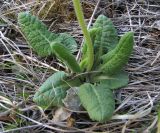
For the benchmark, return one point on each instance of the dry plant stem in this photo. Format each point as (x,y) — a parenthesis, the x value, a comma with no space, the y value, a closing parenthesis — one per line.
(80,17)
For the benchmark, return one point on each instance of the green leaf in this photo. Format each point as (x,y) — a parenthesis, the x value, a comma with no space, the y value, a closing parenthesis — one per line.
(36,33)
(52,91)
(104,38)
(115,81)
(68,41)
(65,56)
(104,35)
(98,101)
(38,36)
(108,38)
(116,59)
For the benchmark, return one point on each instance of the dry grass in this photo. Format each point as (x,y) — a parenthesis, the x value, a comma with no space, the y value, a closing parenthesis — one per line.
(22,72)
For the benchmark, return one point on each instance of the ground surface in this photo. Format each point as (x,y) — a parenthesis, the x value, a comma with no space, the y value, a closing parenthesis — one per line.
(22,71)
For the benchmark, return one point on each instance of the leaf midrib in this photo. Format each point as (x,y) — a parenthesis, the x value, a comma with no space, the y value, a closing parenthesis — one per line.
(99,101)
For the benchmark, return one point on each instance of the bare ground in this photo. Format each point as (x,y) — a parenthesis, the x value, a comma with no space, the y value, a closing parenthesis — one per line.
(22,71)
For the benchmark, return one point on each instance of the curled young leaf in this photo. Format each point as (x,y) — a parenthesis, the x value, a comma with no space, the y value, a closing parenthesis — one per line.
(98,101)
(65,56)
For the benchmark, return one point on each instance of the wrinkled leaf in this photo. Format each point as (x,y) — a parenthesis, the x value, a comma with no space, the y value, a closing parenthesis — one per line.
(52,91)
(104,38)
(38,36)
(98,101)
(36,33)
(108,38)
(68,41)
(116,59)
